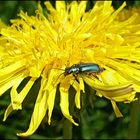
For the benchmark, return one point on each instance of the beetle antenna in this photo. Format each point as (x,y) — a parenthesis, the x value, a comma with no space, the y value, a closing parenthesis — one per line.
(58,69)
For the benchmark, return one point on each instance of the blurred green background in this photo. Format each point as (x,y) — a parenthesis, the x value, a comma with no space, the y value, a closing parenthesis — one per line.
(97,119)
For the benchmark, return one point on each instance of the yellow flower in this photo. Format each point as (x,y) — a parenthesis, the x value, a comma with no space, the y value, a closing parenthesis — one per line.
(39,46)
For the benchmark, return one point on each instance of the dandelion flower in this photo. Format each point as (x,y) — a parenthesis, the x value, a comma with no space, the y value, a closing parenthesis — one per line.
(40,46)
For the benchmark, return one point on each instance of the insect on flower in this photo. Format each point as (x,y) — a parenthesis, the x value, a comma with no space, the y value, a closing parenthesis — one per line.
(84,68)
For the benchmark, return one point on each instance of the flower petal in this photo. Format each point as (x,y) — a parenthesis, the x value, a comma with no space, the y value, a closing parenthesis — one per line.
(64,99)
(17,98)
(11,70)
(38,113)
(7,112)
(50,103)
(14,94)
(118,92)
(77,95)
(80,79)
(126,71)
(8,84)
(116,109)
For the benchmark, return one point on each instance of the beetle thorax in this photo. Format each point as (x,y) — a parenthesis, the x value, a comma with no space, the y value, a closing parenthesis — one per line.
(71,70)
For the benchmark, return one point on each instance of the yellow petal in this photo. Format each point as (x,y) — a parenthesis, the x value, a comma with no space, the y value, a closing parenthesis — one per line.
(49,6)
(125,71)
(14,95)
(4,87)
(113,16)
(7,112)
(38,113)
(11,69)
(50,87)
(82,7)
(126,89)
(77,95)
(50,102)
(94,83)
(116,109)
(78,87)
(126,98)
(60,6)
(64,100)
(119,92)
(53,79)
(80,79)
(17,98)
(111,77)
(73,13)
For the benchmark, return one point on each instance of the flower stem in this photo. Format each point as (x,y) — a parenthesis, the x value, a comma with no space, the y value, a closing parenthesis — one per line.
(67,129)
(133,131)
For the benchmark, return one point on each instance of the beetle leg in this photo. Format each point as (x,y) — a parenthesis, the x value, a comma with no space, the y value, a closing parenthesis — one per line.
(93,74)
